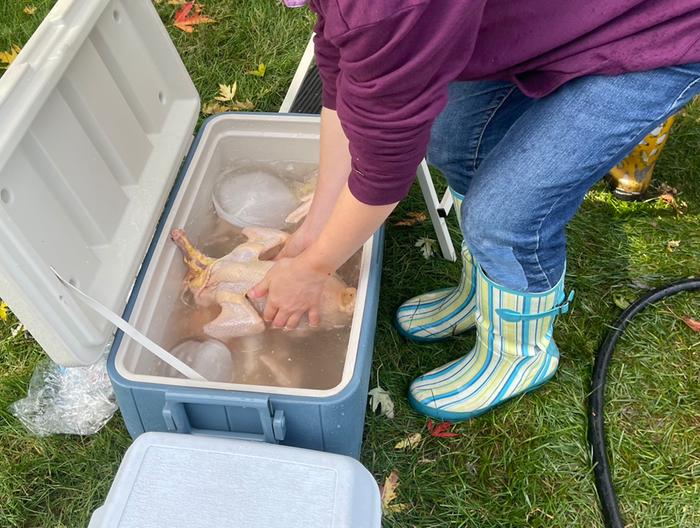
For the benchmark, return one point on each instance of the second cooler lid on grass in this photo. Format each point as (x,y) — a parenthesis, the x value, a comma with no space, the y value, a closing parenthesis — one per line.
(170,481)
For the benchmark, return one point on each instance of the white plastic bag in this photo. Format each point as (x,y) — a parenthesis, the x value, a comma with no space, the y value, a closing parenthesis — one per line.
(64,400)
(211,359)
(254,198)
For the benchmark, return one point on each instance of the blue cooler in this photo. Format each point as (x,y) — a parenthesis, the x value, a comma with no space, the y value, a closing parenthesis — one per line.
(97,166)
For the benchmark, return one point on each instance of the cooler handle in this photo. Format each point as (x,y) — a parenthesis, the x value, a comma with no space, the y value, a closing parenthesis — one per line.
(273,422)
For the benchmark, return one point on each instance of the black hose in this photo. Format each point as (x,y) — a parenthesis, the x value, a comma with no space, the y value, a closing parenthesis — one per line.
(596,400)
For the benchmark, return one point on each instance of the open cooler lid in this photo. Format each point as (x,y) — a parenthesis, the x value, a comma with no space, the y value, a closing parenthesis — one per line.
(97,114)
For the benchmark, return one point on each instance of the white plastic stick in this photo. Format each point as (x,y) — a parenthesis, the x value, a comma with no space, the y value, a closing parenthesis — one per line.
(134,334)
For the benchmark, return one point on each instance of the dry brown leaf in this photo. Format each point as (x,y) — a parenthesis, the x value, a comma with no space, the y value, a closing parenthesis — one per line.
(672,245)
(29,10)
(243,105)
(670,199)
(410,442)
(427,246)
(227,92)
(388,491)
(225,101)
(7,57)
(412,218)
(398,508)
(665,188)
(668,194)
(388,494)
(213,108)
(692,323)
(380,402)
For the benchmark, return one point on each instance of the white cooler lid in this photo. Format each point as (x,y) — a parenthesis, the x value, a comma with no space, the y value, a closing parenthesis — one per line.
(96,114)
(169,480)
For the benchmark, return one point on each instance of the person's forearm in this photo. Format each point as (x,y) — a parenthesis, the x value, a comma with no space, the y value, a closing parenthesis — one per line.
(334,169)
(349,226)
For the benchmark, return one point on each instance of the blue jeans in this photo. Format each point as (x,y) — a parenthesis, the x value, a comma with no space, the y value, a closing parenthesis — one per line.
(524,165)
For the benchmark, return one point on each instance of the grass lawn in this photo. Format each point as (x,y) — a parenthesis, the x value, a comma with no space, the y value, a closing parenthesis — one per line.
(526,464)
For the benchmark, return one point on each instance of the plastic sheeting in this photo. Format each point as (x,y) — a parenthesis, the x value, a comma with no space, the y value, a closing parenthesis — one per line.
(64,400)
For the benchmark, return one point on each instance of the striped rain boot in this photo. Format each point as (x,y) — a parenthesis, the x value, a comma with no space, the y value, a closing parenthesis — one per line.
(443,313)
(514,354)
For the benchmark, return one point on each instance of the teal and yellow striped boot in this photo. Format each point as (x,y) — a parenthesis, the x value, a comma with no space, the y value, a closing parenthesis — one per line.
(446,312)
(514,354)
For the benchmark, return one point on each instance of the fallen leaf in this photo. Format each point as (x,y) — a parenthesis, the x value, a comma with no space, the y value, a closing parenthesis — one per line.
(670,199)
(7,57)
(665,188)
(18,329)
(397,508)
(441,430)
(693,324)
(412,218)
(190,16)
(243,105)
(183,14)
(427,246)
(29,10)
(621,301)
(214,108)
(227,92)
(672,245)
(409,443)
(388,491)
(3,311)
(388,494)
(260,72)
(381,403)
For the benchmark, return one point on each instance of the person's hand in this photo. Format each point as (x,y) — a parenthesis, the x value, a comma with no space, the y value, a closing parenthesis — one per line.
(293,288)
(301,239)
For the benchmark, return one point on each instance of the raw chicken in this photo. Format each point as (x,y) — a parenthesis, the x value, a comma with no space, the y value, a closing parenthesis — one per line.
(226,281)
(300,212)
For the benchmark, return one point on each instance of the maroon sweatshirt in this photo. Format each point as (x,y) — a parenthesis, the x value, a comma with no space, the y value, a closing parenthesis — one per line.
(386,64)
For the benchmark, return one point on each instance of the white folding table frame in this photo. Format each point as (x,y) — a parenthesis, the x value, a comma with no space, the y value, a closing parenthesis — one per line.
(438,209)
